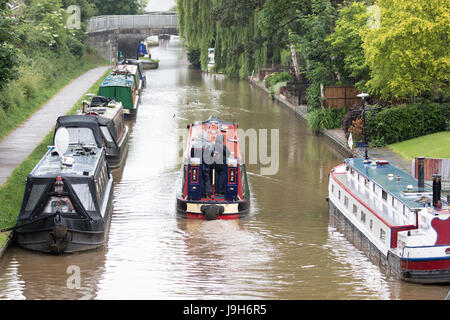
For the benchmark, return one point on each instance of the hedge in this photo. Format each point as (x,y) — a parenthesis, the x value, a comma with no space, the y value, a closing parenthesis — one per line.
(399,123)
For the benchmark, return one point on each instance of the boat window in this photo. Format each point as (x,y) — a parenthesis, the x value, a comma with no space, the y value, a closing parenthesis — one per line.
(366,182)
(345,201)
(373,186)
(332,188)
(371,225)
(339,194)
(81,136)
(106,134)
(35,195)
(355,209)
(84,194)
(382,235)
(393,202)
(384,195)
(363,217)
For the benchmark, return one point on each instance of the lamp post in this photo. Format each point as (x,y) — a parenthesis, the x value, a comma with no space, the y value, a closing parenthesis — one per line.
(363,96)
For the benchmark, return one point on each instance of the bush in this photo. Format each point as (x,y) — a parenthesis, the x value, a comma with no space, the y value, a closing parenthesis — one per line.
(75,46)
(193,56)
(395,124)
(271,79)
(325,118)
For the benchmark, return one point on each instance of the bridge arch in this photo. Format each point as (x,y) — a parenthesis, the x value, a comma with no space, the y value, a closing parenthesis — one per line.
(111,34)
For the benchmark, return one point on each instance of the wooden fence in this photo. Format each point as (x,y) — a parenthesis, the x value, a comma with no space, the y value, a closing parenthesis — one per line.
(338,97)
(434,166)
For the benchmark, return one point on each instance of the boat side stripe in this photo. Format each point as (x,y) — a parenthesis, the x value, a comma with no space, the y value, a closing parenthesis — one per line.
(360,201)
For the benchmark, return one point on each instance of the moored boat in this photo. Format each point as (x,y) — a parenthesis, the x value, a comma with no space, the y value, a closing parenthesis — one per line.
(67,202)
(397,220)
(134,68)
(213,182)
(112,125)
(121,88)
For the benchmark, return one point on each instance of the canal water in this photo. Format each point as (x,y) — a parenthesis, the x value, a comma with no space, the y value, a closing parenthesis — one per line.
(284,249)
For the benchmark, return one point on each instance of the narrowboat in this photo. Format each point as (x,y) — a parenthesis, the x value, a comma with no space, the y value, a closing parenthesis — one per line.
(121,88)
(135,68)
(398,221)
(112,125)
(213,178)
(67,203)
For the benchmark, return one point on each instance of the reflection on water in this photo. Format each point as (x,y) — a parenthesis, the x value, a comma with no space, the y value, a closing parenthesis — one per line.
(284,249)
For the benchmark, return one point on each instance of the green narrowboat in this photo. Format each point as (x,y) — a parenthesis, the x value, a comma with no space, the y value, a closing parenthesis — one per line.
(121,88)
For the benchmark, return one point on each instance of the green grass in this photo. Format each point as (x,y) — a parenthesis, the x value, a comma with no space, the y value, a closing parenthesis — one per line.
(14,116)
(434,145)
(11,193)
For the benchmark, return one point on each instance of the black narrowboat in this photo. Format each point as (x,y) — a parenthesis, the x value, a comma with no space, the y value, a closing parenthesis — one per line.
(213,180)
(112,126)
(67,203)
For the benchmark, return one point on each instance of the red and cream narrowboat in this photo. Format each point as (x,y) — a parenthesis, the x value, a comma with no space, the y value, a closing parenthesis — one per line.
(213,179)
(396,219)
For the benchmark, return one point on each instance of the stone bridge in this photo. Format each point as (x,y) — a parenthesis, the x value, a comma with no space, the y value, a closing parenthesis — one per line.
(110,34)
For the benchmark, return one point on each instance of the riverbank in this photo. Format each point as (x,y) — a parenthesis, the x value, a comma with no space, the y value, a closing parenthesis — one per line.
(11,191)
(337,136)
(24,107)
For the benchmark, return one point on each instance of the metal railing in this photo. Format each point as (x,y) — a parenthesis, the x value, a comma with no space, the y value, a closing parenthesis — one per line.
(105,23)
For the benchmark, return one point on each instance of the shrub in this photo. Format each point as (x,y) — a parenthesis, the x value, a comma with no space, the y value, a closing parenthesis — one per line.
(325,118)
(271,79)
(395,124)
(193,56)
(75,46)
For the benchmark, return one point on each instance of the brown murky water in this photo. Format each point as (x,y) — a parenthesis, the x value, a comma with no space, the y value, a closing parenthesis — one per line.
(284,249)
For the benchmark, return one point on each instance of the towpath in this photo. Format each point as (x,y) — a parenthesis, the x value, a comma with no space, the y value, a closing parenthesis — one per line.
(18,145)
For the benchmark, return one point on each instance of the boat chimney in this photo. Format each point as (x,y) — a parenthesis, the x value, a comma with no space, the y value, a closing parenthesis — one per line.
(421,177)
(85,106)
(436,190)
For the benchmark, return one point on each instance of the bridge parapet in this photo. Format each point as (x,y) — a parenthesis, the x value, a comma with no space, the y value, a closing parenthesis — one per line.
(144,21)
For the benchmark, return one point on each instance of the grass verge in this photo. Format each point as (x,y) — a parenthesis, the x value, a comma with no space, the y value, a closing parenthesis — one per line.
(11,193)
(14,116)
(433,145)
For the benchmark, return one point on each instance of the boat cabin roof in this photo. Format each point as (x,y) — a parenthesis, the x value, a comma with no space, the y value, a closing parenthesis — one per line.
(212,128)
(124,68)
(118,80)
(129,61)
(390,179)
(105,107)
(85,162)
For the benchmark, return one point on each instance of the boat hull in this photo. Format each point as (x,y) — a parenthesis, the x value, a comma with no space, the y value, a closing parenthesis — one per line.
(424,271)
(66,235)
(212,210)
(116,161)
(130,114)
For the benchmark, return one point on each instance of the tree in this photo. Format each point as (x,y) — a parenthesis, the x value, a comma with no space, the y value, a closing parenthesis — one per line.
(346,43)
(114,7)
(8,53)
(408,54)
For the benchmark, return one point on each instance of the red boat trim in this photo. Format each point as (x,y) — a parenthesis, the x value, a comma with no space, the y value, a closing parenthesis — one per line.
(426,264)
(394,229)
(360,201)
(220,217)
